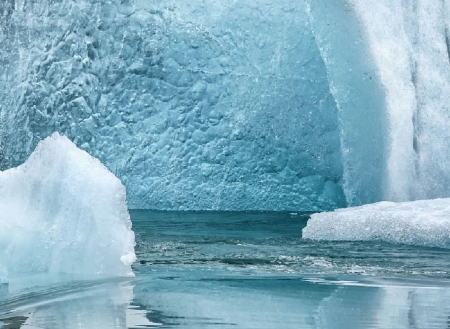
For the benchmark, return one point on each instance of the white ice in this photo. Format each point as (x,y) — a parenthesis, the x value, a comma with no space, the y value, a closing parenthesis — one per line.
(423,223)
(62,211)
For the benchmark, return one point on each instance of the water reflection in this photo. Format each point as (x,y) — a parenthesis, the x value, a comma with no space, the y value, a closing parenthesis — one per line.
(192,300)
(239,270)
(64,303)
(277,302)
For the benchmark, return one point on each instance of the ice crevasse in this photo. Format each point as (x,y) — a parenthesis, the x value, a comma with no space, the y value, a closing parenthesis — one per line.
(62,211)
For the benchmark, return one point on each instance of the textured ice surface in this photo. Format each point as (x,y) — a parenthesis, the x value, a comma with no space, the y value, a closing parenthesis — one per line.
(352,76)
(192,104)
(410,43)
(269,105)
(424,223)
(62,211)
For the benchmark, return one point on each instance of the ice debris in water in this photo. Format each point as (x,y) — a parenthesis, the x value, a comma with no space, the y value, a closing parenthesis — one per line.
(62,211)
(423,223)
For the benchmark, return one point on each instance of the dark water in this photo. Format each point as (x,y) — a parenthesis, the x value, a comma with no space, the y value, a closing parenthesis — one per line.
(271,244)
(242,270)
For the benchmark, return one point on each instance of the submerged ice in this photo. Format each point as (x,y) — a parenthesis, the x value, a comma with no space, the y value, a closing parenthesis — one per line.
(422,223)
(62,211)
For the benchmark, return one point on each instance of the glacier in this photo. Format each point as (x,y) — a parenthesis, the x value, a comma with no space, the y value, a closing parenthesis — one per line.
(194,106)
(62,211)
(219,105)
(420,223)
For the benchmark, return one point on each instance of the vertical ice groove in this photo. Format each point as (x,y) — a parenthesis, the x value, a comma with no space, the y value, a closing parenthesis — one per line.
(389,45)
(409,42)
(358,95)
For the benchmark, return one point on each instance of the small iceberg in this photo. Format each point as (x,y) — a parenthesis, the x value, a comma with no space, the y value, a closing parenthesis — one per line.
(421,223)
(62,211)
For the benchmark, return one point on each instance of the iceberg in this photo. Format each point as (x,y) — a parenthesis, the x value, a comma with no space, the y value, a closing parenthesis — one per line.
(422,223)
(217,105)
(198,105)
(62,211)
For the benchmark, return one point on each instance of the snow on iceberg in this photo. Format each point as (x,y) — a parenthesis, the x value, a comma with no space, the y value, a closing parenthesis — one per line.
(62,211)
(424,223)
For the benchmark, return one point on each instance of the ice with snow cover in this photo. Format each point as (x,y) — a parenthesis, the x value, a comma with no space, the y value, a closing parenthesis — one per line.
(62,211)
(424,223)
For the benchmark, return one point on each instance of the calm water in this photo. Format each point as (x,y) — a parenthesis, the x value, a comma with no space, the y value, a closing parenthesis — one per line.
(242,270)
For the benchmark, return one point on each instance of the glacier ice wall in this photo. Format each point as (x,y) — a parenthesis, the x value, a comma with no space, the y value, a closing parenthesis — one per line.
(287,105)
(193,105)
(353,79)
(62,211)
(410,44)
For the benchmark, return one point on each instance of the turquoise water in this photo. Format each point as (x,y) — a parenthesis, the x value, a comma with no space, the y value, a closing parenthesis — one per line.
(242,270)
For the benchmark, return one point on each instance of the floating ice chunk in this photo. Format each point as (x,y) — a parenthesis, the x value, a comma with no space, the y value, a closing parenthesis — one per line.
(62,211)
(424,223)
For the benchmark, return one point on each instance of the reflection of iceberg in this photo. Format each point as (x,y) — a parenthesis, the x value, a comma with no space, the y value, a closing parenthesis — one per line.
(424,223)
(70,304)
(293,302)
(64,212)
